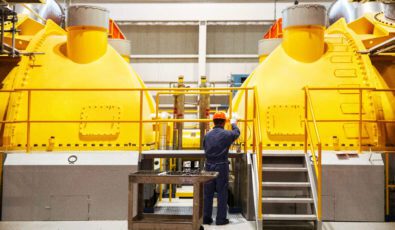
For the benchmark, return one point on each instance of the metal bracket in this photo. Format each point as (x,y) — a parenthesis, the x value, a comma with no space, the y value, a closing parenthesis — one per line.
(386,46)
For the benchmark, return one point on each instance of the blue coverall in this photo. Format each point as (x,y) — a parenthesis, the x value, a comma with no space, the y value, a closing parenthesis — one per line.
(216,146)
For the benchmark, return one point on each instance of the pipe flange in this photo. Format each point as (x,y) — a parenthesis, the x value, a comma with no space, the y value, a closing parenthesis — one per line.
(86,15)
(304,15)
(266,46)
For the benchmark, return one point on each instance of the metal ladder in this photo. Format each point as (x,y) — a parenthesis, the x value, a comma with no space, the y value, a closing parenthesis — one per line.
(288,188)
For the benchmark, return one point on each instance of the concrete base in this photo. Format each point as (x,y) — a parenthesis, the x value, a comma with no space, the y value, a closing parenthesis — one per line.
(352,187)
(47,187)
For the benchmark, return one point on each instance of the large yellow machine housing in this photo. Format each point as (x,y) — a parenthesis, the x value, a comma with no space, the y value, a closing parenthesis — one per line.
(312,56)
(77,58)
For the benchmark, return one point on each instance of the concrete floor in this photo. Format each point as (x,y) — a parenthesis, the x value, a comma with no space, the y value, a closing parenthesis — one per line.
(182,206)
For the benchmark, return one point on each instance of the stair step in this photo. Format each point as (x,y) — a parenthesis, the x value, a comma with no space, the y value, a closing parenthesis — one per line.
(283,154)
(287,200)
(285,184)
(284,169)
(288,217)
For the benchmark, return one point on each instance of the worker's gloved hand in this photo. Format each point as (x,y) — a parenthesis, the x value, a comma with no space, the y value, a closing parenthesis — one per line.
(234,119)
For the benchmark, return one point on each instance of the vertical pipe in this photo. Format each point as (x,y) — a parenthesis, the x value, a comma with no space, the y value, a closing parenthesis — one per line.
(246,118)
(360,122)
(319,179)
(204,109)
(157,105)
(230,104)
(141,123)
(306,119)
(28,120)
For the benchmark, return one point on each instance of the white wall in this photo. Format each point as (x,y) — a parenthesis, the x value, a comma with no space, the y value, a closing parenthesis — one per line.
(197,11)
(165,72)
(175,40)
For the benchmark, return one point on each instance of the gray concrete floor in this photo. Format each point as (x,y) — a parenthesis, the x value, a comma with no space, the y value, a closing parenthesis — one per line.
(122,225)
(183,206)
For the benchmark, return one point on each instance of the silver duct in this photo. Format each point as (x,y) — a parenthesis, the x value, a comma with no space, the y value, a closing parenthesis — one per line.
(51,9)
(342,9)
(369,7)
(351,11)
(389,10)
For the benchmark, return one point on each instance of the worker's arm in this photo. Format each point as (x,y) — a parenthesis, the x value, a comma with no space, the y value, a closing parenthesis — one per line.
(235,133)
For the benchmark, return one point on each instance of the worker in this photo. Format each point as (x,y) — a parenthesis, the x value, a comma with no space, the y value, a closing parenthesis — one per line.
(216,146)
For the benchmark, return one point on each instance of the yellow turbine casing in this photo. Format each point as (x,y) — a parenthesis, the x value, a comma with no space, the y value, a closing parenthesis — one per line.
(59,69)
(281,77)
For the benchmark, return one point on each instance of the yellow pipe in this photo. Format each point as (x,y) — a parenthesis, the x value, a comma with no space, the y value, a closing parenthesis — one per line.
(246,123)
(86,33)
(304,43)
(86,44)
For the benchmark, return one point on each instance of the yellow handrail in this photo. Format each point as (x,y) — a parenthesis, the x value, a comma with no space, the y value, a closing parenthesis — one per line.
(258,136)
(140,121)
(316,162)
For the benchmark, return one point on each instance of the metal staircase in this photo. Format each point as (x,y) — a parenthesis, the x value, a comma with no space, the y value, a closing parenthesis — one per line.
(288,188)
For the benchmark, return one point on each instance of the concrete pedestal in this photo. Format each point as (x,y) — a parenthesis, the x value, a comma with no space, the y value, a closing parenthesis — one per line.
(51,187)
(352,187)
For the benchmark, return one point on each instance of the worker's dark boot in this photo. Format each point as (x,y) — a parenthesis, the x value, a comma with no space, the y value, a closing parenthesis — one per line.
(207,221)
(222,222)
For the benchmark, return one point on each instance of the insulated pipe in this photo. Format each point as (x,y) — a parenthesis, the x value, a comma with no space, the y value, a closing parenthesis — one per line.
(204,110)
(368,7)
(342,9)
(179,107)
(303,32)
(389,10)
(51,9)
(86,33)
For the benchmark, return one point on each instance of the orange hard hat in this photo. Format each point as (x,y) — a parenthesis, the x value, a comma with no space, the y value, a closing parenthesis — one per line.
(219,115)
